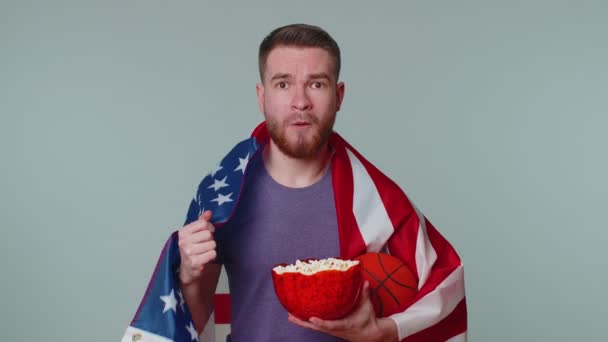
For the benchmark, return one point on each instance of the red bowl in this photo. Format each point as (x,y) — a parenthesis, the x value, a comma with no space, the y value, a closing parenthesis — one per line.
(329,294)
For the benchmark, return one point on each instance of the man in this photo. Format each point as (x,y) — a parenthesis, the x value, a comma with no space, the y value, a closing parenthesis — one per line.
(296,190)
(287,211)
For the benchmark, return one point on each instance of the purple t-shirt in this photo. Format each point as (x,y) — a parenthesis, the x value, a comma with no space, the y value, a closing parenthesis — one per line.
(273,224)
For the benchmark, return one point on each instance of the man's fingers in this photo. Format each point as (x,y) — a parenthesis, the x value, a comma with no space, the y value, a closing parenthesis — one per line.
(196,246)
(316,323)
(205,258)
(196,226)
(199,248)
(206,215)
(293,319)
(328,325)
(200,236)
(201,224)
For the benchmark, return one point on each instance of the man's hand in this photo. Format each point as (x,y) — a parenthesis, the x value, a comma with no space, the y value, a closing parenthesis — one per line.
(196,248)
(360,325)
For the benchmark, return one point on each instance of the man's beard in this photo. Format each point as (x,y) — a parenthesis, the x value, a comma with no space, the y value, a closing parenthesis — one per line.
(306,145)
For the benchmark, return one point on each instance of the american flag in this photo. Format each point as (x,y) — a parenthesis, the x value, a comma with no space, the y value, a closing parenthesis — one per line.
(374,215)
(163,314)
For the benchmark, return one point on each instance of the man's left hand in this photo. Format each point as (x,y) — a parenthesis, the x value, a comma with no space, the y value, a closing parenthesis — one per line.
(360,325)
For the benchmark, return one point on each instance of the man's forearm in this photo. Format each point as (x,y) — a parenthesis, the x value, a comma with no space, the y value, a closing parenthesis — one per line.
(199,293)
(388,327)
(199,310)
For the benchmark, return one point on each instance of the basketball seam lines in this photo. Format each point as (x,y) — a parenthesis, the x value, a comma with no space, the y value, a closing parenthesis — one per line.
(381,284)
(395,270)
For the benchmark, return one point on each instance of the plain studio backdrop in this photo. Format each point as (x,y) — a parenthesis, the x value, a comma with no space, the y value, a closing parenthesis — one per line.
(491,116)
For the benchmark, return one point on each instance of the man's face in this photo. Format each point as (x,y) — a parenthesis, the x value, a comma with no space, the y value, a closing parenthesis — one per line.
(299,97)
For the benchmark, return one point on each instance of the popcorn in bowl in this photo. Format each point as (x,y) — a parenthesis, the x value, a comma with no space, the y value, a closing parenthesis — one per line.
(324,288)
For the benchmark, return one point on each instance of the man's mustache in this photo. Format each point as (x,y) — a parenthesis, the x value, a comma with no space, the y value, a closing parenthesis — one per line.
(301,117)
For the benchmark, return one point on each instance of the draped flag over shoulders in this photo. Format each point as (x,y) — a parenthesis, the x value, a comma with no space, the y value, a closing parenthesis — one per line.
(374,215)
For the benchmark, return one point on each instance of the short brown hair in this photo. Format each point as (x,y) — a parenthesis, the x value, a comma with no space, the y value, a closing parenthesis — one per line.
(299,35)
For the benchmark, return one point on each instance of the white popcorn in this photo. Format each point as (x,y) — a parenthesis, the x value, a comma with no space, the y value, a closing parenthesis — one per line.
(314,266)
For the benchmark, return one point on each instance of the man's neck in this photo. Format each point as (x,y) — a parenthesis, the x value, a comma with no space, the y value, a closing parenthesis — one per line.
(295,172)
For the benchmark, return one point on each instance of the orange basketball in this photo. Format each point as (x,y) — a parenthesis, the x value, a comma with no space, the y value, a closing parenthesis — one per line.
(392,284)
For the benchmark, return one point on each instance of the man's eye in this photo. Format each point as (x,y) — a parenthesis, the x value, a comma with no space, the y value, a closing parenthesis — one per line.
(317,85)
(282,85)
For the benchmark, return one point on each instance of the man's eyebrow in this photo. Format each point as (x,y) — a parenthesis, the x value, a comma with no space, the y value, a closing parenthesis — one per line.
(320,75)
(280,76)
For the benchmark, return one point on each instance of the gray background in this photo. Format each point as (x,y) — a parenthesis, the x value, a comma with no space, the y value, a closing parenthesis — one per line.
(491,115)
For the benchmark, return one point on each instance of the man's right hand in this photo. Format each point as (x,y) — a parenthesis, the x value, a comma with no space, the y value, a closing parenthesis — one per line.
(196,248)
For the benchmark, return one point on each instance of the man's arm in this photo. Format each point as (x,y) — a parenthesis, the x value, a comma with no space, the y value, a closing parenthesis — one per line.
(199,295)
(198,276)
(360,325)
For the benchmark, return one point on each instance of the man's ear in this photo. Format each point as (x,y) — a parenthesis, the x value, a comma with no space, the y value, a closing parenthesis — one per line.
(259,90)
(339,95)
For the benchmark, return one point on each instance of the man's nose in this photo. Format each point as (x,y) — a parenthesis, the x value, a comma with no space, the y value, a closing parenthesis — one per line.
(301,100)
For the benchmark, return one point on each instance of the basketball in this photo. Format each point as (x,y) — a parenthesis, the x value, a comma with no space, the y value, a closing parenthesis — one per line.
(392,284)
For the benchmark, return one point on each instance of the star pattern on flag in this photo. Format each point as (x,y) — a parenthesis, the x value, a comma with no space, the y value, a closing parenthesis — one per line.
(192,331)
(221,199)
(218,184)
(242,164)
(219,190)
(170,302)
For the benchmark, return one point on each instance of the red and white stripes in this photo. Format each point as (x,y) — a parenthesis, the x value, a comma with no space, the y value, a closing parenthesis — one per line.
(385,216)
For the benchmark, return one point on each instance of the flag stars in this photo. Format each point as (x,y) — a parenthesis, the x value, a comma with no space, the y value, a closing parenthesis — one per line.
(242,164)
(218,184)
(221,199)
(170,302)
(192,331)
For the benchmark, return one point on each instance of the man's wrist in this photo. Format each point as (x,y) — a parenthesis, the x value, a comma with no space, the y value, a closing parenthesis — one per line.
(184,280)
(388,330)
